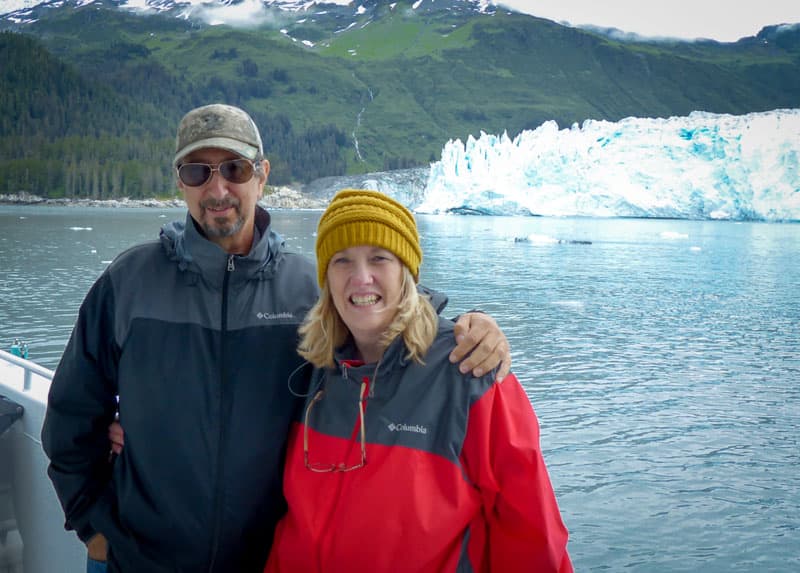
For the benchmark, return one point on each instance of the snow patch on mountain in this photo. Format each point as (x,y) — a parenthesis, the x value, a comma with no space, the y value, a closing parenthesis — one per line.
(232,12)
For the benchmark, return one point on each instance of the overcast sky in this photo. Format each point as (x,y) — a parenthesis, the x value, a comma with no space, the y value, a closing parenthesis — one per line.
(722,20)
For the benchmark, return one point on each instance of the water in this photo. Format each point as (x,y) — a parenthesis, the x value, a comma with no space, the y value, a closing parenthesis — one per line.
(663,361)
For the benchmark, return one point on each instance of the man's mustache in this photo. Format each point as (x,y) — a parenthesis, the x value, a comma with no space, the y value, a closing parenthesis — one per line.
(219,203)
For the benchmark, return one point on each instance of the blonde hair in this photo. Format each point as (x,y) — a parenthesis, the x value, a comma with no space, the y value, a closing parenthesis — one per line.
(323,330)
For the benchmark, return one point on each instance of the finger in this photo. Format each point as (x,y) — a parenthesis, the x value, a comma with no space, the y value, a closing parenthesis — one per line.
(465,343)
(460,330)
(503,371)
(504,367)
(482,360)
(116,448)
(462,325)
(493,354)
(117,428)
(116,434)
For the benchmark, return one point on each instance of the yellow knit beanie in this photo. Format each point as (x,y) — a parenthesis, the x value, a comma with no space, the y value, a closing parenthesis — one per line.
(359,217)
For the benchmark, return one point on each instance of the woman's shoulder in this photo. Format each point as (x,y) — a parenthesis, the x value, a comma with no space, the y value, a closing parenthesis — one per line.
(445,326)
(444,341)
(438,357)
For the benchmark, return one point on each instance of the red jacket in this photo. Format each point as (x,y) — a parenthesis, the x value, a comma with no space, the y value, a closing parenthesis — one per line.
(454,479)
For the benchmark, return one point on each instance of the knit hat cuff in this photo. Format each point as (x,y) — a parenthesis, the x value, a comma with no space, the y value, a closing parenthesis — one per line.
(363,217)
(372,233)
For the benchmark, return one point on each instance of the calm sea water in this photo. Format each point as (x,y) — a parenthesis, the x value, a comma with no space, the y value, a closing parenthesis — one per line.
(663,360)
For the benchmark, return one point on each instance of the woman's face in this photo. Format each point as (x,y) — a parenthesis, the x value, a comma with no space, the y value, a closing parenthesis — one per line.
(365,283)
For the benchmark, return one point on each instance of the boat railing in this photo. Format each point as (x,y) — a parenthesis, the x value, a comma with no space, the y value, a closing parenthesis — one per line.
(32,534)
(29,367)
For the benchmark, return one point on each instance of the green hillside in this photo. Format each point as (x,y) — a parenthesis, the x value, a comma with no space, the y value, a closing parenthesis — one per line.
(91,97)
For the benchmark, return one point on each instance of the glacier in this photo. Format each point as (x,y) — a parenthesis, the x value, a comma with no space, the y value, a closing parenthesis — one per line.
(700,166)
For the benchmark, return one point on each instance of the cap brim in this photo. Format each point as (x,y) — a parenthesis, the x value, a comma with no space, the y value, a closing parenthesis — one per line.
(233,145)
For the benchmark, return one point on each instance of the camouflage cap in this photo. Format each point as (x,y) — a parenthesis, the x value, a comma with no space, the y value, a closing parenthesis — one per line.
(220,126)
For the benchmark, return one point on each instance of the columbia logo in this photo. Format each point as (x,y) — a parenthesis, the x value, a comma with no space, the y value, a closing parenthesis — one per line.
(274,315)
(407,428)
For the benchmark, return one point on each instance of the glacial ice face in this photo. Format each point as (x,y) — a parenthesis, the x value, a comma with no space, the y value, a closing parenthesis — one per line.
(702,166)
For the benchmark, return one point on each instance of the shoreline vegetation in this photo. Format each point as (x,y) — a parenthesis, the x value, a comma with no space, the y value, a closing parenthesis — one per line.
(274,198)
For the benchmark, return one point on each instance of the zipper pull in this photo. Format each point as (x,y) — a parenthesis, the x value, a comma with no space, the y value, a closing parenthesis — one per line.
(231,266)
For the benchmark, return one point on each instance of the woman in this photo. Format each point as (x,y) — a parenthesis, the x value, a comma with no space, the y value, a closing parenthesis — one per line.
(400,462)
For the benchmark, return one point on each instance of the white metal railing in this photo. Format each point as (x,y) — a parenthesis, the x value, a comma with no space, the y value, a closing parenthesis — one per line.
(31,518)
(29,368)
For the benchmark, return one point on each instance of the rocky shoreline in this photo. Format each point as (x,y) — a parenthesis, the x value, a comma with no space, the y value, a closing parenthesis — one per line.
(274,198)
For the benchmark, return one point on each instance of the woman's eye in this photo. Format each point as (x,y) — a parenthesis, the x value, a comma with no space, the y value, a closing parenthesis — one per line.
(383,256)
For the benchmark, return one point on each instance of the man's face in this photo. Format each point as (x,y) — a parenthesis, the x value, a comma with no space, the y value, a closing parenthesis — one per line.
(224,210)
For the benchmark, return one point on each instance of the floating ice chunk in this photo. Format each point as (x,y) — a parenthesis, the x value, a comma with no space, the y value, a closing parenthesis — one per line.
(570,304)
(673,235)
(548,240)
(541,239)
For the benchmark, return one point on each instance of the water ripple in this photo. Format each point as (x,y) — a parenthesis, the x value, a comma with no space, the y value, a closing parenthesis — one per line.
(666,381)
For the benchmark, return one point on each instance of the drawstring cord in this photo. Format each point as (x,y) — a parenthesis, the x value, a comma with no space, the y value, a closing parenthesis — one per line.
(289,382)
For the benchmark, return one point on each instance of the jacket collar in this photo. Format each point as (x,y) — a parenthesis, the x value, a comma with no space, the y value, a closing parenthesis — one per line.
(393,357)
(184,243)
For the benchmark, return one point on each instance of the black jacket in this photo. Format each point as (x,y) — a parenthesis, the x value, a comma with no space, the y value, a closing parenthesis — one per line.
(199,347)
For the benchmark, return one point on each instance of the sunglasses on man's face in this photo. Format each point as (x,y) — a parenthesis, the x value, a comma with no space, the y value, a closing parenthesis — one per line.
(233,170)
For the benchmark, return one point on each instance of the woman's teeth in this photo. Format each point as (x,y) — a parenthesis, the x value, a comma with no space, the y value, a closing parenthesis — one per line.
(364,300)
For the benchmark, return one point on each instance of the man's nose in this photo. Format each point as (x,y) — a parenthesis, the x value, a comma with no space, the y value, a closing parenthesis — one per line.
(217,186)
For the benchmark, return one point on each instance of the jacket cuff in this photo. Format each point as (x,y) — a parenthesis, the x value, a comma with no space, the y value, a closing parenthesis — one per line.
(86,532)
(86,529)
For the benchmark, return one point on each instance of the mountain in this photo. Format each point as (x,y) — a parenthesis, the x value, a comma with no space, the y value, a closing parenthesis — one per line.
(336,89)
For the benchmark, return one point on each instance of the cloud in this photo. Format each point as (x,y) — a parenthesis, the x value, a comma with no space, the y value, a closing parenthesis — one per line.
(720,20)
(246,14)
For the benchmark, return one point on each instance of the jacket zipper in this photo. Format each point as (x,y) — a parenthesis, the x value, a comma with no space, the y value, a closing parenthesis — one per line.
(218,504)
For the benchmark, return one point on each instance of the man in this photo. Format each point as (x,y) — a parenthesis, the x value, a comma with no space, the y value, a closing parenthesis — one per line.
(192,341)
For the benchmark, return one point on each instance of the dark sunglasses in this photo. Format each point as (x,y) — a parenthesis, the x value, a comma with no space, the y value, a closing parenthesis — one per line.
(233,170)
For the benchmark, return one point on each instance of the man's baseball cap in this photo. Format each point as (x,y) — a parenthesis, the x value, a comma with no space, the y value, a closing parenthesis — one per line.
(220,126)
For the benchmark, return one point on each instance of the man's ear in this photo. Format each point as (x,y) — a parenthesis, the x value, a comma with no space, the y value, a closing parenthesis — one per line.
(265,163)
(263,175)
